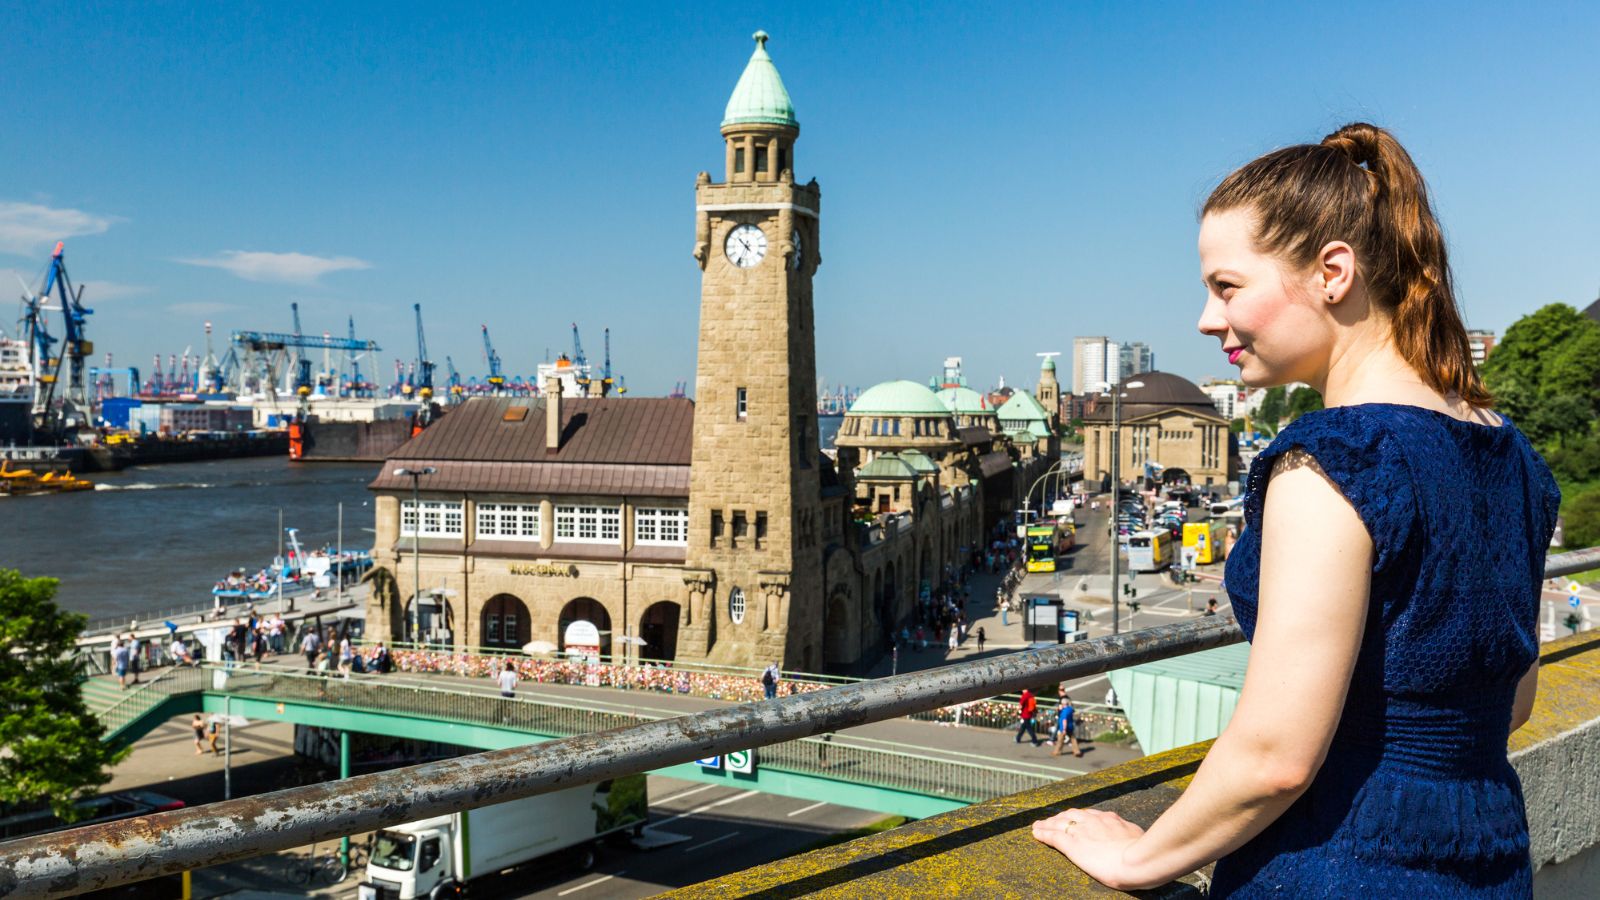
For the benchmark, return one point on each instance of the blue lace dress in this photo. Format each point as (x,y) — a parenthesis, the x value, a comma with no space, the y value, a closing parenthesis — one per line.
(1416,794)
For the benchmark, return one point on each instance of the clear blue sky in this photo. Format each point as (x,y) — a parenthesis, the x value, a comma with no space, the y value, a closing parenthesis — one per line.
(995,181)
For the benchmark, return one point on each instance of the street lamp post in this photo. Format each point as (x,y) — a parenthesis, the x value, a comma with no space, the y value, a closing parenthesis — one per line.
(416,546)
(1116,495)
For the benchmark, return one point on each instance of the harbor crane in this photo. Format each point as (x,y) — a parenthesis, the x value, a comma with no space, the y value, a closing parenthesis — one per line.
(605,371)
(302,363)
(353,361)
(51,414)
(496,379)
(454,377)
(579,361)
(265,351)
(424,381)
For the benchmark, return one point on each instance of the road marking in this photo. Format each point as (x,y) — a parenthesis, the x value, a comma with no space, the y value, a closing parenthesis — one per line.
(689,793)
(710,842)
(601,880)
(806,809)
(700,809)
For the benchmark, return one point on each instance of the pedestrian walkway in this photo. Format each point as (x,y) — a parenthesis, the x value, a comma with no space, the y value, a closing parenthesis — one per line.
(955,743)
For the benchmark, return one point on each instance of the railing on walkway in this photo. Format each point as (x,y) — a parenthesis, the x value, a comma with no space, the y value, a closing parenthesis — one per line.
(889,766)
(146,697)
(99,856)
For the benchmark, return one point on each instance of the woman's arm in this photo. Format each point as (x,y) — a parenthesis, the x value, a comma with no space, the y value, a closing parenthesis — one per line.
(1316,564)
(1527,688)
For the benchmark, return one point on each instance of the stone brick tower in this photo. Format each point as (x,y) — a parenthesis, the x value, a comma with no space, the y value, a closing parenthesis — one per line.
(1049,391)
(754,563)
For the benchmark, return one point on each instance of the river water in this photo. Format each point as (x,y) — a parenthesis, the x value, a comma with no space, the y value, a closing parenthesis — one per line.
(155,537)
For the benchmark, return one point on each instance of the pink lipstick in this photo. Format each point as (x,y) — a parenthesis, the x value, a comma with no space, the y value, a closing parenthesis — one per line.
(1234,354)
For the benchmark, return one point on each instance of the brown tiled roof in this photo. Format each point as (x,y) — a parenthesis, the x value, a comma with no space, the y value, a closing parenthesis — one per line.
(539,477)
(610,446)
(624,430)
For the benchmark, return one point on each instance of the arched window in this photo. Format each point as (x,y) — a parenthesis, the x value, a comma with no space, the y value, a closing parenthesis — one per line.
(736,605)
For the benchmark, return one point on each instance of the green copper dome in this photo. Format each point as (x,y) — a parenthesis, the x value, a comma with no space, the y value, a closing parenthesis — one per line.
(965,401)
(759,98)
(1049,364)
(898,398)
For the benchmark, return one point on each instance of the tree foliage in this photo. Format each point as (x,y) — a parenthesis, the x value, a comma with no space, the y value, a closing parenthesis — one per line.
(1302,401)
(1274,406)
(1580,523)
(1545,374)
(50,747)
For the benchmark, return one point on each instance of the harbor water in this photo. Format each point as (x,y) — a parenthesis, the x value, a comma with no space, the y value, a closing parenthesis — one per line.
(157,537)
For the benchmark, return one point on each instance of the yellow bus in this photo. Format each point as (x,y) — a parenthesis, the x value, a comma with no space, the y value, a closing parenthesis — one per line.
(1149,551)
(1045,543)
(1209,540)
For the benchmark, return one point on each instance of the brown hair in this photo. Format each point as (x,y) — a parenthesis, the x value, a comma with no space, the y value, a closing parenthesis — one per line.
(1360,186)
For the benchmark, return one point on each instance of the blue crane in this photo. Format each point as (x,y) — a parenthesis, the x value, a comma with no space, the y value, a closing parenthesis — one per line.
(496,379)
(579,360)
(302,363)
(454,377)
(605,372)
(424,380)
(76,347)
(357,387)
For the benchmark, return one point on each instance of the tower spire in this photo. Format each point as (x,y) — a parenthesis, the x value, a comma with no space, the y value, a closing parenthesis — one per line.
(759,124)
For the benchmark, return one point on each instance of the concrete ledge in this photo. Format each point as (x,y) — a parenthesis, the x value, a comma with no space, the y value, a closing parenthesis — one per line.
(987,850)
(1557,754)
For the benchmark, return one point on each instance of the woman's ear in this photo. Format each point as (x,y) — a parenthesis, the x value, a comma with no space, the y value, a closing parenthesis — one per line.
(1336,263)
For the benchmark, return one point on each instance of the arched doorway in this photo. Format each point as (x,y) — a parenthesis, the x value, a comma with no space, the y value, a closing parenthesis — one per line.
(659,629)
(880,606)
(589,625)
(891,593)
(431,611)
(505,622)
(839,648)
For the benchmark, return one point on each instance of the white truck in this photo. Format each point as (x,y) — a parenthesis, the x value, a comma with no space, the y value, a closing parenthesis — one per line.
(437,857)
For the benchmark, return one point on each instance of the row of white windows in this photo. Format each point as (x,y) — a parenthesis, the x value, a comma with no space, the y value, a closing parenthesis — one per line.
(520,522)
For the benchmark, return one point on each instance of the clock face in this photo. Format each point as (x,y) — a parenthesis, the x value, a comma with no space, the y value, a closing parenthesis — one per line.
(746,246)
(799,249)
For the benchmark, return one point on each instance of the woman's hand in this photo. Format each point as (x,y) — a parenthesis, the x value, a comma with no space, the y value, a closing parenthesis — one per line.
(1095,841)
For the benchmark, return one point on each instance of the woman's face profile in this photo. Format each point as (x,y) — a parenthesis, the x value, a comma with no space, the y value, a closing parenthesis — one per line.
(1265,315)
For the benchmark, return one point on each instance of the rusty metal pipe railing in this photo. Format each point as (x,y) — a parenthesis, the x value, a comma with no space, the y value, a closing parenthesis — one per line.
(101,856)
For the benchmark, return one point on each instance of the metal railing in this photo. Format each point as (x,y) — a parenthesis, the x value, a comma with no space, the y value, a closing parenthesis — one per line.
(884,765)
(142,699)
(100,856)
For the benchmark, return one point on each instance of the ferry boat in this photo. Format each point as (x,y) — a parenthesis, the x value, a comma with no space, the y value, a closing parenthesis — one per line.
(27,481)
(296,573)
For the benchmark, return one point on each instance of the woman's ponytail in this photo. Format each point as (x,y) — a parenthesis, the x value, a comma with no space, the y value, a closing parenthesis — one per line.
(1360,186)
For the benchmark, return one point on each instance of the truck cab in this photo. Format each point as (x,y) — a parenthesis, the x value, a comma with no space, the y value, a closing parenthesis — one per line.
(412,861)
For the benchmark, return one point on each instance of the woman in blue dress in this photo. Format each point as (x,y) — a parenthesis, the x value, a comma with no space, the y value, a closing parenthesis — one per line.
(1392,650)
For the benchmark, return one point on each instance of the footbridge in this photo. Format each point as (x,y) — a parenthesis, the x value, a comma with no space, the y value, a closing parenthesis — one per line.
(845,770)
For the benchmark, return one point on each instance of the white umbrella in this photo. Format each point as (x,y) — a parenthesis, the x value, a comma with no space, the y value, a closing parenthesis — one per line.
(538,647)
(630,639)
(233,721)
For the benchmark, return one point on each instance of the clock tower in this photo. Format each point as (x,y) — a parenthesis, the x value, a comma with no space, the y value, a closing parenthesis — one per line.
(753,568)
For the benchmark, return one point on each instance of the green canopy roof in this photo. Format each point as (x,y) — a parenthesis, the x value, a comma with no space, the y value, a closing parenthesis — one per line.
(898,398)
(1023,407)
(887,467)
(919,461)
(760,98)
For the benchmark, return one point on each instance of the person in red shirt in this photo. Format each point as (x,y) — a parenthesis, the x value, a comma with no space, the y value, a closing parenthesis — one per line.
(1029,706)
